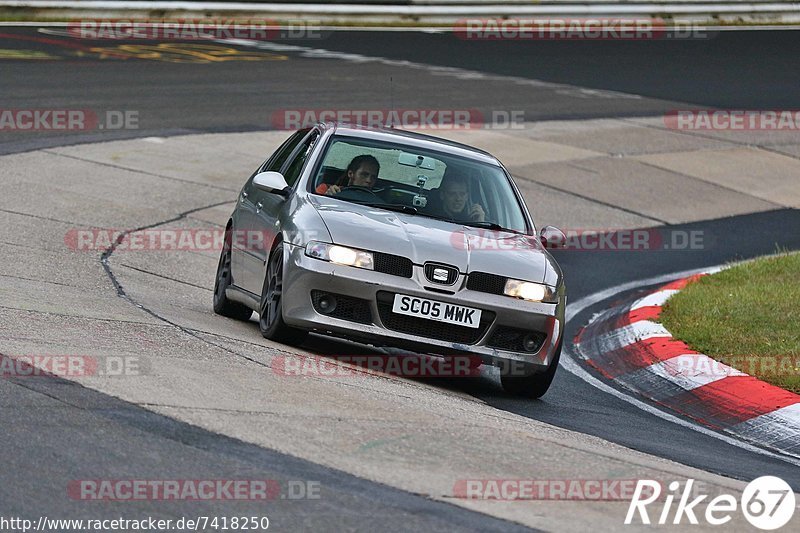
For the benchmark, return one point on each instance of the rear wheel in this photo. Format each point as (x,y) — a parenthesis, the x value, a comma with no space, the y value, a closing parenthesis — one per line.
(533,385)
(223,306)
(270,318)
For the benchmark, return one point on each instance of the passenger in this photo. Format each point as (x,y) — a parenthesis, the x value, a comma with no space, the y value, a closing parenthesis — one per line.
(454,197)
(361,172)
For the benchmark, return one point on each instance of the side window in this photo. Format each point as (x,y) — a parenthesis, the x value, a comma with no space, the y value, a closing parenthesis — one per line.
(295,166)
(281,154)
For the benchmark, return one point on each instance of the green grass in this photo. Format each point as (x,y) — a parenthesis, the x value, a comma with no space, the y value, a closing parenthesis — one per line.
(747,316)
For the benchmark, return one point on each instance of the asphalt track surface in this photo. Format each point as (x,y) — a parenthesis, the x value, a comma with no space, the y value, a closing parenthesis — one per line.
(93,432)
(739,70)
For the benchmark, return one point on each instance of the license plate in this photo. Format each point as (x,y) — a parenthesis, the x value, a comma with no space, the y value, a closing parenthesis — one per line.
(439,311)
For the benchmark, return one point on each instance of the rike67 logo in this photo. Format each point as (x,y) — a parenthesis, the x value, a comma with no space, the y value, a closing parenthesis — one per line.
(767,503)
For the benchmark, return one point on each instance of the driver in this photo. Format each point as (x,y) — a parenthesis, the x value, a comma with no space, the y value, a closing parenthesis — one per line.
(361,172)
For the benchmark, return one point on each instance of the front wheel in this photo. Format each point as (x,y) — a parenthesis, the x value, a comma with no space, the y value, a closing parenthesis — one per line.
(533,385)
(270,315)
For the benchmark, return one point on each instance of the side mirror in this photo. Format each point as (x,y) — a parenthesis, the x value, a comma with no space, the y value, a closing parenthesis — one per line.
(272,182)
(552,237)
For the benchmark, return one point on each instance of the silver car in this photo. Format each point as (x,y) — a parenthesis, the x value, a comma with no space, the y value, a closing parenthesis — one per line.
(399,239)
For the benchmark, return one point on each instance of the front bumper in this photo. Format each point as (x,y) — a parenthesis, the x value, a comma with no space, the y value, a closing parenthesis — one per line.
(303,274)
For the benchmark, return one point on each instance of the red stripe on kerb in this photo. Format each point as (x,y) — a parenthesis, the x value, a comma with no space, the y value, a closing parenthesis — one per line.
(577,339)
(663,348)
(681,283)
(600,369)
(745,396)
(732,400)
(638,355)
(651,312)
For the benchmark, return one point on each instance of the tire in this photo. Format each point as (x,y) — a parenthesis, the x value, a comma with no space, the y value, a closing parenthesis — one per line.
(534,385)
(270,315)
(223,306)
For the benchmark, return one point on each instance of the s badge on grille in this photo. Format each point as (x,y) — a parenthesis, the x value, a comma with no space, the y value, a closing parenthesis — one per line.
(438,273)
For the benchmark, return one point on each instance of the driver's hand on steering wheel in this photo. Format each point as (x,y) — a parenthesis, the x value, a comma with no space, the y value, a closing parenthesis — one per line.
(333,190)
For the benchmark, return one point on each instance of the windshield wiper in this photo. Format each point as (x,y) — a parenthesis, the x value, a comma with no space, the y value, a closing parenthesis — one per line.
(488,225)
(394,207)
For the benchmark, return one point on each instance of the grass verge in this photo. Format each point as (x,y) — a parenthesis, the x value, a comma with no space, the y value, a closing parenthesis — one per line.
(747,316)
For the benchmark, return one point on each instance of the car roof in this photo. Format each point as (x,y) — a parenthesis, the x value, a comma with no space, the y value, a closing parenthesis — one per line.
(411,138)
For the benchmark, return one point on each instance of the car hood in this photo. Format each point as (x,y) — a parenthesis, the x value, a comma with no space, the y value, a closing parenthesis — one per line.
(423,239)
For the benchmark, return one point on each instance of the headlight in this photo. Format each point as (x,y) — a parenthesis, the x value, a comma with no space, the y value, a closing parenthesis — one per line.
(341,255)
(534,292)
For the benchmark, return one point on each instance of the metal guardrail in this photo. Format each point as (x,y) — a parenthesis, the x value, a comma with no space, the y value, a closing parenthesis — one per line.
(546,2)
(434,11)
(331,3)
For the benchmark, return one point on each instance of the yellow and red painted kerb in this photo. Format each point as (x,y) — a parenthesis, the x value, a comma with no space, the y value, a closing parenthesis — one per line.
(626,344)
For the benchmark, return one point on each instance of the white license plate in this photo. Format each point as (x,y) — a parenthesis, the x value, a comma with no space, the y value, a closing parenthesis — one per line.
(439,311)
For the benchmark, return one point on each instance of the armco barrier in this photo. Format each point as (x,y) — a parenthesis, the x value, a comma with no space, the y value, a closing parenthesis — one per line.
(441,12)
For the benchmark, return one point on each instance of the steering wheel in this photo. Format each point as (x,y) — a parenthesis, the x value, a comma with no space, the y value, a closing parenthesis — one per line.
(358,193)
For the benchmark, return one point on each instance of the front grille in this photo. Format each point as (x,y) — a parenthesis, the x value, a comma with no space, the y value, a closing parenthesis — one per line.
(430,329)
(451,277)
(510,339)
(485,282)
(393,264)
(347,307)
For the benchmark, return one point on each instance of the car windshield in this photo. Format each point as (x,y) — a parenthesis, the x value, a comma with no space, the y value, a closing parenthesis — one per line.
(419,182)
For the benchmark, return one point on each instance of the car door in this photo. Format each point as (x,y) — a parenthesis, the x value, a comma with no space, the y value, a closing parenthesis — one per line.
(267,209)
(245,259)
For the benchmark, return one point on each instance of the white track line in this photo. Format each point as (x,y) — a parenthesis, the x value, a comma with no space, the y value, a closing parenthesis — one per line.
(656,299)
(632,333)
(775,427)
(690,371)
(570,364)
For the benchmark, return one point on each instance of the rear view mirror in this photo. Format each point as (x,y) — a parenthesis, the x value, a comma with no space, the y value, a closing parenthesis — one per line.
(552,237)
(272,182)
(413,160)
